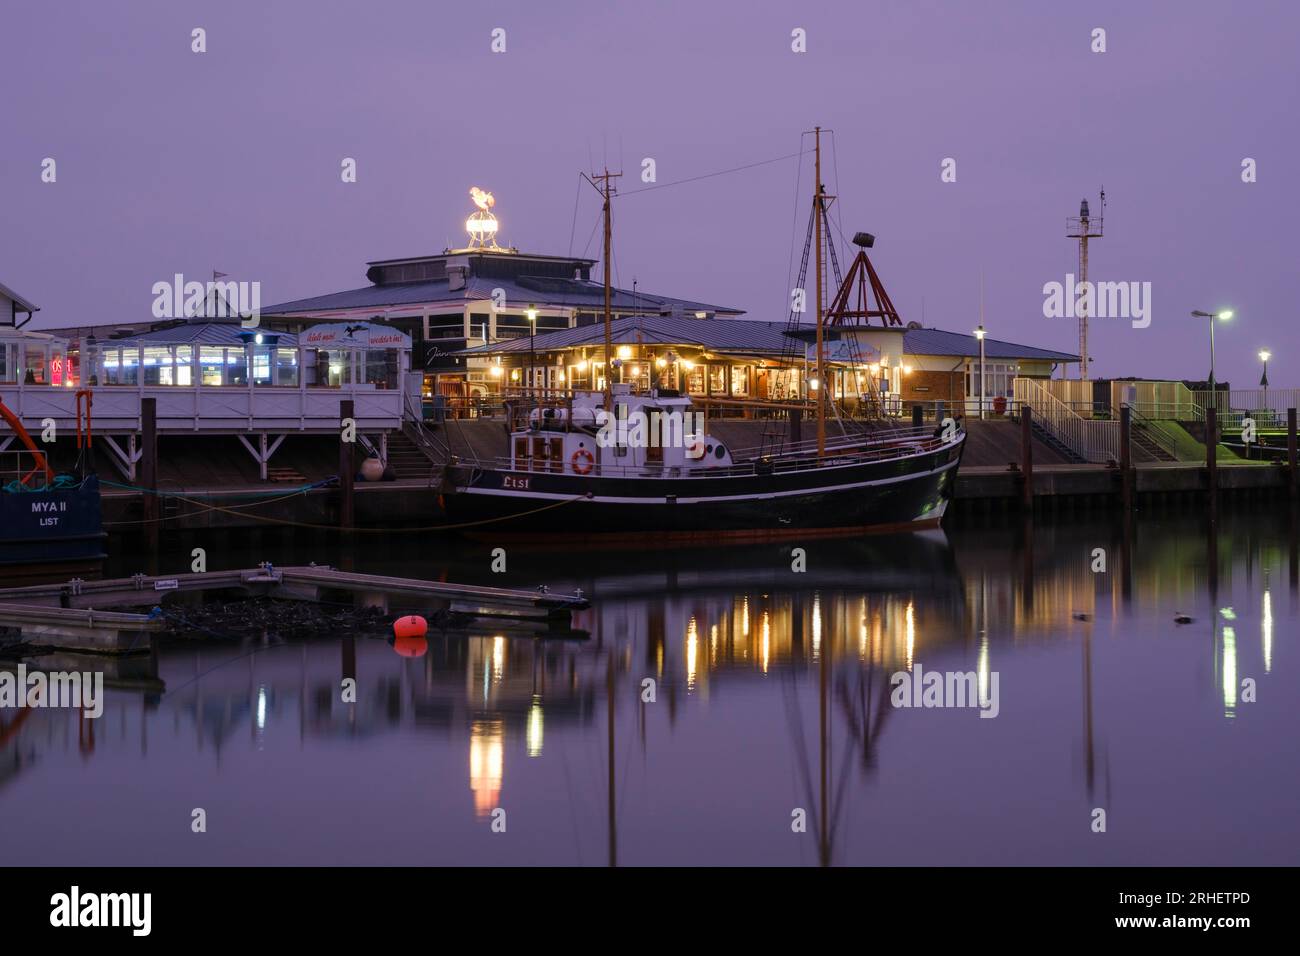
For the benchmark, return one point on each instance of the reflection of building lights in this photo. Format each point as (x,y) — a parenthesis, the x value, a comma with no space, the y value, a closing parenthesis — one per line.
(983,669)
(535,728)
(911,634)
(486,764)
(498,658)
(1267,626)
(261,708)
(1229,671)
(692,652)
(862,633)
(744,617)
(766,630)
(817,624)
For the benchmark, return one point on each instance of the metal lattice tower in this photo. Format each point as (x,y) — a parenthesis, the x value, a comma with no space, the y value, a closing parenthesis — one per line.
(1084,227)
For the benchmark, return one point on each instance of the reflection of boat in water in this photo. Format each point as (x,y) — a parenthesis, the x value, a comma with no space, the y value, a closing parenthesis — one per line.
(921,562)
(48,522)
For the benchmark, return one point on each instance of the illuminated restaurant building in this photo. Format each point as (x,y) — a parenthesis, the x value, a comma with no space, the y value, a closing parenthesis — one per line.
(771,361)
(480,295)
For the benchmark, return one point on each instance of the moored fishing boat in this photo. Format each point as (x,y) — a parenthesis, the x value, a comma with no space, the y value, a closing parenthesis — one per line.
(574,470)
(635,460)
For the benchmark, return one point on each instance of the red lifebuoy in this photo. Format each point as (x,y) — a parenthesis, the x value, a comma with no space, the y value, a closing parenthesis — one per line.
(584,456)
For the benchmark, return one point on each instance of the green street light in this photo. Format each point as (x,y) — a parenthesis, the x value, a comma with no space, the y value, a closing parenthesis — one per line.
(1264,356)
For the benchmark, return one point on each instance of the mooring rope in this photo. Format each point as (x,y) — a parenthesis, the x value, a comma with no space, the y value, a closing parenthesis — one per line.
(329,527)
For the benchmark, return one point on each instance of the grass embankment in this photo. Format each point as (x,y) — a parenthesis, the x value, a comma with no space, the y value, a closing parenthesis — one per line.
(1185,447)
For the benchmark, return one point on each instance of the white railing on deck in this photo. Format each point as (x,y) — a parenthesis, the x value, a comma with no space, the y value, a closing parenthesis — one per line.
(1266,406)
(214,409)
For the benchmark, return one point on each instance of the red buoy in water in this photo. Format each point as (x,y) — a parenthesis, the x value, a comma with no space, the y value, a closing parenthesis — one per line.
(410,626)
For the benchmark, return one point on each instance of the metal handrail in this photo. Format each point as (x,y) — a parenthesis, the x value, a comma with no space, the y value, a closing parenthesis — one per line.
(1091,439)
(784,464)
(1163,441)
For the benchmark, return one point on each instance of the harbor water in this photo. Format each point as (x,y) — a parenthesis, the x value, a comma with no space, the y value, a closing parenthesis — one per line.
(1132,701)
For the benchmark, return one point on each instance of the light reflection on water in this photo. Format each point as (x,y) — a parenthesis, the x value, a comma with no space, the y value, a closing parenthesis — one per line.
(771,697)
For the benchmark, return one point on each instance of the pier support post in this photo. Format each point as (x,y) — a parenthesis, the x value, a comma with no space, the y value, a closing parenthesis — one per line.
(149,469)
(796,425)
(1291,452)
(918,416)
(1027,458)
(1126,456)
(347,464)
(1212,460)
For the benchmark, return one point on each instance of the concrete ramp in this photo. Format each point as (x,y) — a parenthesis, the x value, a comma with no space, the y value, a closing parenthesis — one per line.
(997,443)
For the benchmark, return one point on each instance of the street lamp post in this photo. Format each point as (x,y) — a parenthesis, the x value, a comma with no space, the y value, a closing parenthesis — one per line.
(532,332)
(1264,355)
(979,334)
(1223,316)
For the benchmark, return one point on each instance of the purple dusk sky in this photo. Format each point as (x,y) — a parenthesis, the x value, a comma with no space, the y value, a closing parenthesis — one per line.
(171,161)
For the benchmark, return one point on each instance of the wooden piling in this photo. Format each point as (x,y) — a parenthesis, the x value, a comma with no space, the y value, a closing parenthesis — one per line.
(347,465)
(1126,457)
(1291,452)
(1027,458)
(918,416)
(1212,461)
(149,470)
(796,423)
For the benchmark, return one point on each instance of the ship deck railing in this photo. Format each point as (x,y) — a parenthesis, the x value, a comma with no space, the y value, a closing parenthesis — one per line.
(895,444)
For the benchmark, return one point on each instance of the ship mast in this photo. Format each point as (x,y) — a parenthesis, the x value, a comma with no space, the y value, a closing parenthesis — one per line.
(821,354)
(606,191)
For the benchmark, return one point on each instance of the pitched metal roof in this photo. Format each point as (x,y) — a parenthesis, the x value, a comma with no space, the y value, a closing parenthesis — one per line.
(23,304)
(207,333)
(940,342)
(546,291)
(749,337)
(735,336)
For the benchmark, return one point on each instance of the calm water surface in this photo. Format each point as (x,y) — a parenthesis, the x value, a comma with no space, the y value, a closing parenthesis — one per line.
(772,695)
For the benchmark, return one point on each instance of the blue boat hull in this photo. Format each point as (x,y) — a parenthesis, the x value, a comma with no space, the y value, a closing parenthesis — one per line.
(53,526)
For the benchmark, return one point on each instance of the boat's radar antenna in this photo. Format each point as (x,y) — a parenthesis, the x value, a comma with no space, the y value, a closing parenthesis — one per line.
(865,240)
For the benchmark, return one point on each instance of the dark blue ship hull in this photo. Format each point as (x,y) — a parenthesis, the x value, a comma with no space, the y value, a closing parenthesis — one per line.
(53,526)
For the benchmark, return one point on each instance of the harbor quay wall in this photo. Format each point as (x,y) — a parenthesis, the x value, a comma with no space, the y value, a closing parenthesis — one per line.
(381,505)
(988,483)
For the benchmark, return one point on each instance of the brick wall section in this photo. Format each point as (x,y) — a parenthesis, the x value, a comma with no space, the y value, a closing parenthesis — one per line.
(939,386)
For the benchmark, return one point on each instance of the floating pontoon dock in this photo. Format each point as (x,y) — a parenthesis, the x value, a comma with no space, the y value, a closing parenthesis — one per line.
(70,614)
